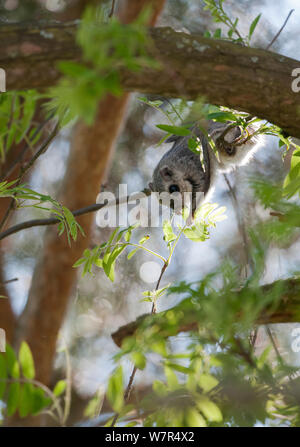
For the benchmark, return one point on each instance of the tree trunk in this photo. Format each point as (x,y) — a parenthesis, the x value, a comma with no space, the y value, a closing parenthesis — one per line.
(91,151)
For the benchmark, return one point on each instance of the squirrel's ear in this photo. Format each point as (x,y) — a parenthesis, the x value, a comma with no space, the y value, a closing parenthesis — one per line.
(166,173)
(151,186)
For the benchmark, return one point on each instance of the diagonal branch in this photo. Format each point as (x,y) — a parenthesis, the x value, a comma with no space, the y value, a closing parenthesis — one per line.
(287,311)
(281,29)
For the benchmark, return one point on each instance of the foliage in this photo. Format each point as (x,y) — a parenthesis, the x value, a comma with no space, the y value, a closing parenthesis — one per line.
(217,365)
(105,255)
(108,47)
(220,16)
(21,393)
(17,111)
(37,200)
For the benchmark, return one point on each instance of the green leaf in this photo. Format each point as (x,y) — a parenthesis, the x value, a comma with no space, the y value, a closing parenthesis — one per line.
(115,390)
(169,235)
(139,360)
(59,388)
(159,388)
(197,233)
(218,215)
(3,375)
(176,130)
(79,262)
(132,253)
(209,409)
(99,263)
(108,261)
(144,239)
(264,357)
(171,377)
(72,68)
(26,399)
(13,398)
(217,34)
(127,236)
(222,116)
(194,418)
(292,181)
(26,361)
(12,363)
(93,408)
(162,291)
(207,382)
(39,401)
(253,25)
(194,145)
(179,368)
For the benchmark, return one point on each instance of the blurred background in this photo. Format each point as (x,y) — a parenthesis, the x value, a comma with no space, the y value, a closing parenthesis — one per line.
(98,307)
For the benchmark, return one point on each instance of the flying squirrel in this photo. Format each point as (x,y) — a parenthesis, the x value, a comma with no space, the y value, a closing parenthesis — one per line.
(181,170)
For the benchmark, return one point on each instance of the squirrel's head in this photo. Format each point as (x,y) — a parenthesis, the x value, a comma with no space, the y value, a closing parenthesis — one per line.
(179,171)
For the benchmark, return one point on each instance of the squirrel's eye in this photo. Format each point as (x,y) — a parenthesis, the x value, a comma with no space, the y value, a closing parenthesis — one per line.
(173,188)
(230,150)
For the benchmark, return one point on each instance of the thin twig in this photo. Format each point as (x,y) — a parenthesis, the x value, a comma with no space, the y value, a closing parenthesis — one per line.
(134,371)
(9,281)
(43,387)
(40,151)
(23,171)
(53,220)
(253,337)
(112,8)
(281,29)
(270,335)
(246,355)
(241,223)
(126,394)
(153,311)
(26,146)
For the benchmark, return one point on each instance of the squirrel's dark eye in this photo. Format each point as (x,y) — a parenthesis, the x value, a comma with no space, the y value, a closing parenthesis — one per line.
(230,150)
(173,188)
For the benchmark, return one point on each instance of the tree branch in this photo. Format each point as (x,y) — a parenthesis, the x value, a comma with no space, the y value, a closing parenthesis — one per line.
(281,29)
(287,311)
(249,79)
(80,212)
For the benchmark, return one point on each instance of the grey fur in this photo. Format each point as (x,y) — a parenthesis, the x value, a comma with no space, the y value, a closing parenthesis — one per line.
(182,167)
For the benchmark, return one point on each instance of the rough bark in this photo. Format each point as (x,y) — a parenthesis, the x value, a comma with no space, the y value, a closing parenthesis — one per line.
(91,151)
(7,318)
(287,311)
(249,79)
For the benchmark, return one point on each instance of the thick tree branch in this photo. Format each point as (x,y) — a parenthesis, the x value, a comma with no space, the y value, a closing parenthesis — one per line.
(249,79)
(287,311)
